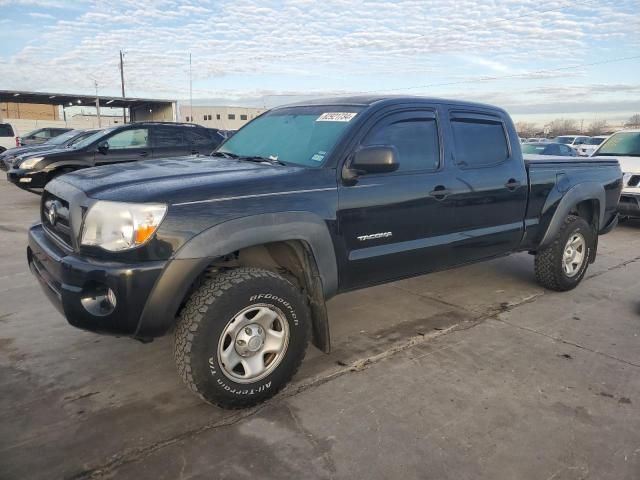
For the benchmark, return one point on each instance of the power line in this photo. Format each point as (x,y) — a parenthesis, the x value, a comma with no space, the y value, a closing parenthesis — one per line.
(501,77)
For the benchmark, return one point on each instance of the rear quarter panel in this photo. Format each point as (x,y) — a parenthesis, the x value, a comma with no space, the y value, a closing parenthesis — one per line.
(551,179)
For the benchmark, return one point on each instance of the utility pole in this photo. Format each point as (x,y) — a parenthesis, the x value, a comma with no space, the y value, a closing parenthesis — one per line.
(190,91)
(98,104)
(124,110)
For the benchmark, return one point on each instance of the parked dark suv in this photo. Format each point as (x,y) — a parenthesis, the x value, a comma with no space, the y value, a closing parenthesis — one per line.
(68,139)
(41,135)
(125,143)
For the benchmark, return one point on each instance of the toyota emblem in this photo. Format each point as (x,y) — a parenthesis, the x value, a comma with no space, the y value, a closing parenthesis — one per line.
(52,213)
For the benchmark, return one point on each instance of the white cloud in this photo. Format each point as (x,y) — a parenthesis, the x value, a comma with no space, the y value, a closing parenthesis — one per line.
(44,16)
(257,47)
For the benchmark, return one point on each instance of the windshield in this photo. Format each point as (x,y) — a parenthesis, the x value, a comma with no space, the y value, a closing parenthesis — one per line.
(295,135)
(594,141)
(531,148)
(565,140)
(85,142)
(624,144)
(63,138)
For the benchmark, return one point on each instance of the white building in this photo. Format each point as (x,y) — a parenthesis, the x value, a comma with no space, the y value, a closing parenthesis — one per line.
(225,118)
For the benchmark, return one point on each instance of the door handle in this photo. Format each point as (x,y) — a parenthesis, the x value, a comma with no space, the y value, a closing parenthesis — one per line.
(144,154)
(440,192)
(512,184)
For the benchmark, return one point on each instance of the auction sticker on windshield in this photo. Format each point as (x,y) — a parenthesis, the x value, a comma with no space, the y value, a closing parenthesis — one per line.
(336,117)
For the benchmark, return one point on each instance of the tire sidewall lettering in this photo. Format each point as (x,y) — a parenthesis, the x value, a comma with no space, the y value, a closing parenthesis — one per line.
(262,297)
(236,390)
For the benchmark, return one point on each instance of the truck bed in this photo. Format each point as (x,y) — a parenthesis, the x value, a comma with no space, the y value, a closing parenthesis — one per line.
(550,178)
(541,160)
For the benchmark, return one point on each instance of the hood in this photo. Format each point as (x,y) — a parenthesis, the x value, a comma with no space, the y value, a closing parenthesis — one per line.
(181,179)
(14,152)
(49,152)
(629,164)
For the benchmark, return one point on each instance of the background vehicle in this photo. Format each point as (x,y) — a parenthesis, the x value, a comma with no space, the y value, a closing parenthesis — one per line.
(625,146)
(573,141)
(125,143)
(41,135)
(65,140)
(558,149)
(240,250)
(537,140)
(590,146)
(8,137)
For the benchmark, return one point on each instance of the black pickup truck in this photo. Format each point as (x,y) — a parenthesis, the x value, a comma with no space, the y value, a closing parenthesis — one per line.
(237,252)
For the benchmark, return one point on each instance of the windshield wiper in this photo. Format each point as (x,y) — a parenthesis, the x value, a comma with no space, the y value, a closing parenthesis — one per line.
(249,158)
(224,155)
(258,159)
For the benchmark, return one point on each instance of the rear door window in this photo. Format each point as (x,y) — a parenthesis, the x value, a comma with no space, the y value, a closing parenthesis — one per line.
(6,130)
(197,136)
(479,141)
(169,137)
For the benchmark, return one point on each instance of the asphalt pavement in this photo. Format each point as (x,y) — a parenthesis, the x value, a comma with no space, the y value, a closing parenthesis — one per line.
(473,373)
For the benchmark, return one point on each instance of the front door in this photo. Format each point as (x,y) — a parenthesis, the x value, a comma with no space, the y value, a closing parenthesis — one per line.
(385,220)
(126,146)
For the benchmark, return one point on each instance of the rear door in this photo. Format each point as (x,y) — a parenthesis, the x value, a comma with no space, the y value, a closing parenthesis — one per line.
(169,141)
(489,209)
(127,145)
(200,141)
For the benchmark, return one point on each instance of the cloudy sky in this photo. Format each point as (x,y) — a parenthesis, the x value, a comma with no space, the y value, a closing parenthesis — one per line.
(539,59)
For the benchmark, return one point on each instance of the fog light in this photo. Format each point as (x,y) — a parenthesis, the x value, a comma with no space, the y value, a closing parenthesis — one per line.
(100,301)
(25,180)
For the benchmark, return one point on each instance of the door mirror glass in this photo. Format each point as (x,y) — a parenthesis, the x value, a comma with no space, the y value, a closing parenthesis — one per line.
(376,159)
(103,147)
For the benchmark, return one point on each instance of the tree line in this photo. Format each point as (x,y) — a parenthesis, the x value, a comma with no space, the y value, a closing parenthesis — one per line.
(564,126)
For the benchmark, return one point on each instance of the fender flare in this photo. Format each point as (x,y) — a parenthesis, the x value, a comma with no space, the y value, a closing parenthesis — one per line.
(575,195)
(194,256)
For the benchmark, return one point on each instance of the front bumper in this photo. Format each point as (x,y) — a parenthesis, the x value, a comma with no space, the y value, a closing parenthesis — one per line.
(69,280)
(629,204)
(28,179)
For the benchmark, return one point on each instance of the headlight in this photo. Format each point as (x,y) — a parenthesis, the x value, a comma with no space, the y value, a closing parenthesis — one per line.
(29,163)
(119,226)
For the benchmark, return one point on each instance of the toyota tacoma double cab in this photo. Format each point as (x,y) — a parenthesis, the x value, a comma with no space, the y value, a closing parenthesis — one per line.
(237,252)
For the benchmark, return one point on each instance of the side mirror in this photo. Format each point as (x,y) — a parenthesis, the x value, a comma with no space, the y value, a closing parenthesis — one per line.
(375,159)
(103,147)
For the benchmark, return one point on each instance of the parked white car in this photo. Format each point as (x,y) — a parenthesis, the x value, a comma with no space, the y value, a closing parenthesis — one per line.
(625,147)
(587,149)
(574,141)
(8,136)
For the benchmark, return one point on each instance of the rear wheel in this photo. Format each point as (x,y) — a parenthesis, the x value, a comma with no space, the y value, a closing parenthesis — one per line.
(561,265)
(241,337)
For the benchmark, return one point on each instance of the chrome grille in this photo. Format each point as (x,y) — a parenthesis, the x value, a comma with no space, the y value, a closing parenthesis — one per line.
(54,213)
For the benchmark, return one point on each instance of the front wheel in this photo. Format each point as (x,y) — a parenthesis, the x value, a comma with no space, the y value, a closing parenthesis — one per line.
(241,337)
(562,265)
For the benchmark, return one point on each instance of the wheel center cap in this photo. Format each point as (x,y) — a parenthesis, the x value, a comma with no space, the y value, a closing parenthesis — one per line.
(249,340)
(254,344)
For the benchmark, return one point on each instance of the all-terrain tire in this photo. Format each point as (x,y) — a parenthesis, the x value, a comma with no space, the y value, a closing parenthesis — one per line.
(207,316)
(549,261)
